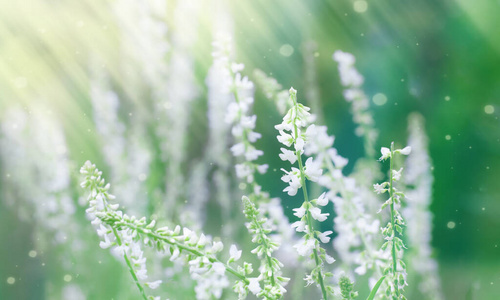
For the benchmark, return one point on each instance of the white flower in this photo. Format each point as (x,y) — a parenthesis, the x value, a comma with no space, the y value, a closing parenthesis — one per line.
(288,155)
(154,285)
(344,58)
(299,212)
(300,226)
(397,174)
(248,121)
(338,160)
(316,214)
(219,268)
(322,200)
(293,180)
(324,237)
(243,170)
(237,67)
(305,248)
(254,285)
(217,247)
(238,149)
(175,254)
(285,138)
(106,243)
(379,188)
(253,136)
(386,153)
(313,169)
(262,168)
(234,253)
(253,154)
(299,144)
(329,259)
(405,151)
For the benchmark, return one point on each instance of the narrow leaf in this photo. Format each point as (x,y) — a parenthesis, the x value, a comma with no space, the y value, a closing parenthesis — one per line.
(375,288)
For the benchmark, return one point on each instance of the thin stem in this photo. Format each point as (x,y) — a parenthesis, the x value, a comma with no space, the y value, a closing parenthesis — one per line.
(393,235)
(268,258)
(309,224)
(131,269)
(308,215)
(125,256)
(156,236)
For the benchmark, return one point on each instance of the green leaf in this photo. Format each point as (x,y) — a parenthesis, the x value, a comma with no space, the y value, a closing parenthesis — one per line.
(375,288)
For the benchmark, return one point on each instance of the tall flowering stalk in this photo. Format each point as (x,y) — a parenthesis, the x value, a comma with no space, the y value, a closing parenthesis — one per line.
(270,270)
(419,180)
(123,240)
(352,80)
(396,268)
(241,119)
(291,133)
(125,234)
(357,230)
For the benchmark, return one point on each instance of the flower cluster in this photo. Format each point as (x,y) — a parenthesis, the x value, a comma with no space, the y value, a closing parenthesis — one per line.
(352,81)
(347,288)
(199,251)
(123,241)
(238,115)
(243,124)
(291,133)
(418,179)
(396,268)
(270,269)
(357,230)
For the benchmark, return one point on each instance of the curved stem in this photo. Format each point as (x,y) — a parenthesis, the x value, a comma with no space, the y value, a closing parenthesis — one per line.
(131,269)
(156,236)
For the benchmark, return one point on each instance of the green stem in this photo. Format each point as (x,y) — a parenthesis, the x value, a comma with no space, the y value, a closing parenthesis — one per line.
(310,227)
(156,236)
(125,256)
(308,215)
(264,243)
(393,235)
(131,269)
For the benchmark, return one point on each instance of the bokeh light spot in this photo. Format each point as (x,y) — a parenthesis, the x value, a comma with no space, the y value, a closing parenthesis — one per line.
(286,50)
(489,109)
(379,99)
(360,6)
(32,253)
(451,225)
(68,278)
(11,280)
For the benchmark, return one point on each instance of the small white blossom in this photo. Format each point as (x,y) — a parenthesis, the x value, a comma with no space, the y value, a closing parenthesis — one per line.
(254,285)
(313,169)
(299,212)
(288,155)
(397,174)
(405,151)
(305,247)
(379,188)
(324,237)
(322,200)
(386,153)
(300,226)
(317,215)
(234,253)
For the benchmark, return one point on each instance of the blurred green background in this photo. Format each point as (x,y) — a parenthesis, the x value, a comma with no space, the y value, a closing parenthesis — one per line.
(440,58)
